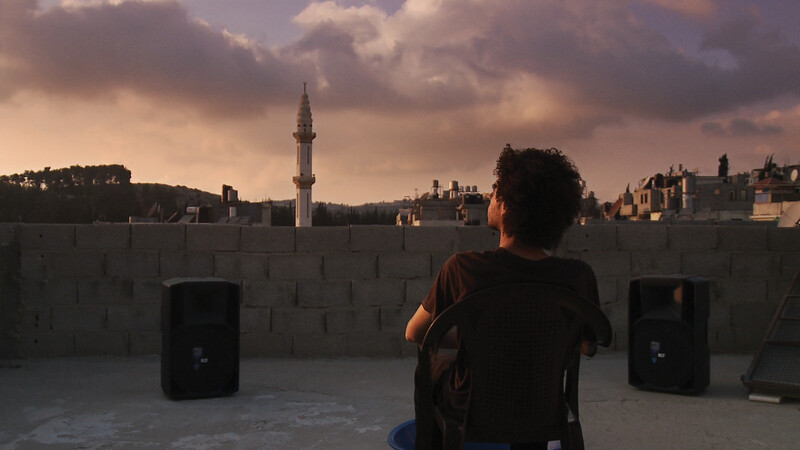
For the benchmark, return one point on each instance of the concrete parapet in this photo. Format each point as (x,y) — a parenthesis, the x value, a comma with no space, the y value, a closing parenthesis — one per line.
(50,237)
(344,291)
(147,236)
(207,236)
(376,238)
(268,239)
(103,236)
(322,239)
(430,239)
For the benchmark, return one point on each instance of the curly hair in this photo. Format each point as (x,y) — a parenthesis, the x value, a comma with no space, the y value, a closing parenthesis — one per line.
(541,190)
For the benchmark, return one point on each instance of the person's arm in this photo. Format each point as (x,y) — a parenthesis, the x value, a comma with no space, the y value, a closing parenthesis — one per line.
(418,326)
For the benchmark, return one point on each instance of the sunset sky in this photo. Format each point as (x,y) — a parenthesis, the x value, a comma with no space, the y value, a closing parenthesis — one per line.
(205,92)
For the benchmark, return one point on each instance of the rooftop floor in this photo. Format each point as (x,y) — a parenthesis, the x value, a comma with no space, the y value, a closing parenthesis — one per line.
(102,402)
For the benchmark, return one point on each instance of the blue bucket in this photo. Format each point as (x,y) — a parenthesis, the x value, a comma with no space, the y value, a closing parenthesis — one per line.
(403,436)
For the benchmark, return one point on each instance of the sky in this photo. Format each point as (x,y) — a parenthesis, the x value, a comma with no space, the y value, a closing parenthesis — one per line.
(202,93)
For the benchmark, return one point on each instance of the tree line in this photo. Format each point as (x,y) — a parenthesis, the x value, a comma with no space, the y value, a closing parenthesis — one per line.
(104,193)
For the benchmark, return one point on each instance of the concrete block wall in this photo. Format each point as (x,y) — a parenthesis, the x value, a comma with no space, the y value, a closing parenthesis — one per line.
(343,291)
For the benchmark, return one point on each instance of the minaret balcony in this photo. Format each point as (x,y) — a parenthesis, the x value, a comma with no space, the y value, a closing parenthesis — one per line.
(304,136)
(304,181)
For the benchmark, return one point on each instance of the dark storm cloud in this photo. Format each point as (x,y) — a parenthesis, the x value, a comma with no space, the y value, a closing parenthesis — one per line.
(739,128)
(600,60)
(151,48)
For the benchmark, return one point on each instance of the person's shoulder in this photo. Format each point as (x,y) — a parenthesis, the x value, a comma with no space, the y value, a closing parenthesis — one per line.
(575,265)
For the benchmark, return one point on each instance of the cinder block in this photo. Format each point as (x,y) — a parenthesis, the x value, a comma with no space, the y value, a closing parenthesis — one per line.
(9,233)
(395,318)
(641,237)
(719,315)
(102,343)
(265,345)
(146,291)
(733,291)
(132,264)
(105,291)
(790,264)
(213,237)
(706,264)
(777,290)
(655,262)
(404,265)
(270,294)
(47,344)
(376,238)
(592,237)
(617,314)
(34,320)
(145,343)
(743,340)
(349,320)
(607,289)
(50,237)
(692,237)
(254,320)
(477,238)
(319,346)
(430,239)
(103,236)
(438,260)
(298,321)
(240,265)
(759,264)
(352,266)
(146,317)
(608,263)
(161,236)
(373,344)
(417,290)
(751,315)
(295,266)
(378,292)
(49,292)
(318,294)
(732,237)
(180,263)
(268,239)
(74,264)
(322,239)
(784,239)
(79,318)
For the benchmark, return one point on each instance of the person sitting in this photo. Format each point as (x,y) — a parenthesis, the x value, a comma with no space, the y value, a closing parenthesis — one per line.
(535,199)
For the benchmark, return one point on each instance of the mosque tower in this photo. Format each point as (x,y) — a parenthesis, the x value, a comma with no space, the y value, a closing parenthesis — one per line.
(304,178)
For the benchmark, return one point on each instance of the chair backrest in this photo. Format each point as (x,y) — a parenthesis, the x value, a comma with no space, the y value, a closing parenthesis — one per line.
(518,340)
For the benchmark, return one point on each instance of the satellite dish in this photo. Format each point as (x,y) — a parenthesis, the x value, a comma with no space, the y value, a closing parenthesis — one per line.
(791,217)
(794,175)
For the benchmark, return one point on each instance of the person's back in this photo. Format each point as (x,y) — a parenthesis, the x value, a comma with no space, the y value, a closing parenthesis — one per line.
(536,198)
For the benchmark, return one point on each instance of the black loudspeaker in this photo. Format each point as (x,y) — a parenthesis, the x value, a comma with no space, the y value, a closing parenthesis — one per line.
(668,333)
(200,337)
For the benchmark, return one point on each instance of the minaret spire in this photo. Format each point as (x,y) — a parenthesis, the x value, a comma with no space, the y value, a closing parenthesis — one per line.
(305,177)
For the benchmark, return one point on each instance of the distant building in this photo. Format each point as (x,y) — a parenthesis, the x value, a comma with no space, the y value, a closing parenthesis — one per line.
(683,194)
(456,206)
(777,189)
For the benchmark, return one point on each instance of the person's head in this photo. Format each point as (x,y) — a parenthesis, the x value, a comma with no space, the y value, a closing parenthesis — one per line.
(540,193)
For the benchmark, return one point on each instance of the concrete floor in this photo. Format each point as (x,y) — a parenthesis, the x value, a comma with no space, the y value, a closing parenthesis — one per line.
(352,403)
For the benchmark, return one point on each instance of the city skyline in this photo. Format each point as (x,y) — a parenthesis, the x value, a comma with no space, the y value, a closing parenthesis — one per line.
(203,93)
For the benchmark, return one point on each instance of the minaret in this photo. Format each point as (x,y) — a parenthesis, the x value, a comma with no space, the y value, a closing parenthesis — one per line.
(305,178)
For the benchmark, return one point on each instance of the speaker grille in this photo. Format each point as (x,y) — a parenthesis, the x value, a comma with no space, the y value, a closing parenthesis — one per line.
(203,357)
(663,352)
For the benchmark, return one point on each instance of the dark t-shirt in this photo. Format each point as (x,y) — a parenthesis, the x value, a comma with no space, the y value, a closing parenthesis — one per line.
(467,272)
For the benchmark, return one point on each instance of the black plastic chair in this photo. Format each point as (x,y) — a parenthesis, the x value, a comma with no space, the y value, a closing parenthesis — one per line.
(522,347)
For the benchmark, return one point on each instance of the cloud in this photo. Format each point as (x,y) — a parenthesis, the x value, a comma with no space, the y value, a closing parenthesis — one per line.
(739,128)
